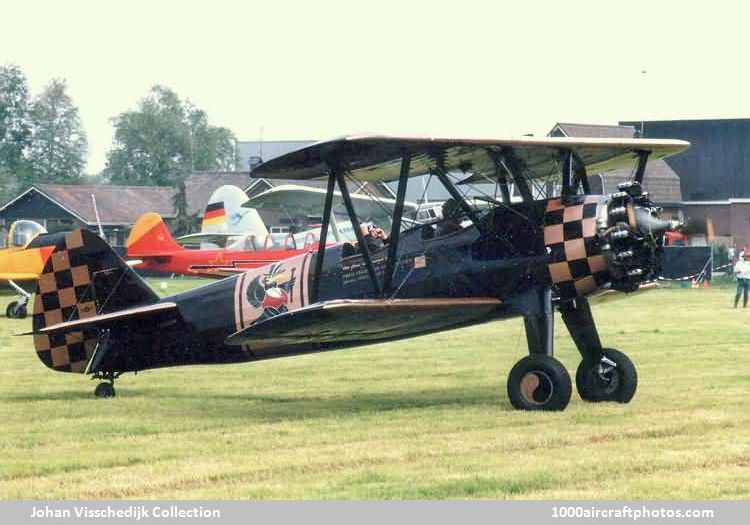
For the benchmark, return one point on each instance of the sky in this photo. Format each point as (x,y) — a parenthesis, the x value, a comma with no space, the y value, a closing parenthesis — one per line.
(320,69)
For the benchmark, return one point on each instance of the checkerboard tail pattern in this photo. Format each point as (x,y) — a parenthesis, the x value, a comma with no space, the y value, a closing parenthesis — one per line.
(82,277)
(577,266)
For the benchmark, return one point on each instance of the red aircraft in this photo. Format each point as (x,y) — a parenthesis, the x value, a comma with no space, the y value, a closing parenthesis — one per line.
(150,246)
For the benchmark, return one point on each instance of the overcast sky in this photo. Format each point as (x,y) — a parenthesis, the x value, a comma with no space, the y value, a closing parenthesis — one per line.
(317,69)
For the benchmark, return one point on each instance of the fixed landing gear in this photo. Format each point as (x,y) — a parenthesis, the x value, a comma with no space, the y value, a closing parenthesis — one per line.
(16,310)
(613,378)
(604,374)
(105,390)
(107,387)
(541,382)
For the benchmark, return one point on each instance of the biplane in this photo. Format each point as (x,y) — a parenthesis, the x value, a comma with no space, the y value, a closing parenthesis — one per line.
(22,259)
(554,248)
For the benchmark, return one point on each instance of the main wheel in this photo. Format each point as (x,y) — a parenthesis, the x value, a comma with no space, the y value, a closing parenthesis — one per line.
(614,378)
(539,382)
(104,390)
(15,310)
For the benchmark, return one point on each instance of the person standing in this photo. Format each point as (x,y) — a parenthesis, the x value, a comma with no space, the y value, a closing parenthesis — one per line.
(742,272)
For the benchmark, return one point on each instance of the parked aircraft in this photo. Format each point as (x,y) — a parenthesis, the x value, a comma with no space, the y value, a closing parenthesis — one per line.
(150,247)
(225,220)
(94,315)
(22,259)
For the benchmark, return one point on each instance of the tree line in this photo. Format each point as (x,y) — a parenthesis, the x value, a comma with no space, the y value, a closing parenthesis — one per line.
(42,139)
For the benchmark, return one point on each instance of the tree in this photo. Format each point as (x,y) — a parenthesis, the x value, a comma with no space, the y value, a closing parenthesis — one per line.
(184,223)
(58,142)
(14,130)
(165,139)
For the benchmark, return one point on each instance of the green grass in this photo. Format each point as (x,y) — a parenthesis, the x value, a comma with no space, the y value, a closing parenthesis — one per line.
(421,418)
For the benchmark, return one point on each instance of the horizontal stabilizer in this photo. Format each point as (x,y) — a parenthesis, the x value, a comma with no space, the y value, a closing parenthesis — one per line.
(343,322)
(99,320)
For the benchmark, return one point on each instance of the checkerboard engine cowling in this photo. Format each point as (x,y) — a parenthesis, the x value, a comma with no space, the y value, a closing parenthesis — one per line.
(63,295)
(577,266)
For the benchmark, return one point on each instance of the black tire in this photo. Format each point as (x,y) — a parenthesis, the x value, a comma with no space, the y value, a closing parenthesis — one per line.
(618,384)
(539,382)
(21,312)
(14,311)
(104,390)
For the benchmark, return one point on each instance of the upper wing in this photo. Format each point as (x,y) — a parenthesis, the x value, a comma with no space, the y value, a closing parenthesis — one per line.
(378,158)
(350,321)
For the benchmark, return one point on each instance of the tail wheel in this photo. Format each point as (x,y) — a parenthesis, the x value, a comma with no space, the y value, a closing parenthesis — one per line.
(539,382)
(104,390)
(613,378)
(16,310)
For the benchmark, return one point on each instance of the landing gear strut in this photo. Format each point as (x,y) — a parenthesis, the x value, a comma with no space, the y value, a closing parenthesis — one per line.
(539,381)
(107,387)
(605,374)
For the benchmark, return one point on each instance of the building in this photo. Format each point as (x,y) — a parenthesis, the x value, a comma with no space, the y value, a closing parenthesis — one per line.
(714,177)
(60,207)
(251,153)
(717,165)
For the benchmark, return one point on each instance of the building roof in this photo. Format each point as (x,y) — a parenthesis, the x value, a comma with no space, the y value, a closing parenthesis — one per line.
(568,129)
(116,204)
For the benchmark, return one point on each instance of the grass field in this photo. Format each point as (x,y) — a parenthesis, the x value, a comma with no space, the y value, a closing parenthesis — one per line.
(422,418)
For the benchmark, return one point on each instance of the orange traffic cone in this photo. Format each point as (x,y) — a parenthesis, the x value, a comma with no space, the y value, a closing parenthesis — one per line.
(705,284)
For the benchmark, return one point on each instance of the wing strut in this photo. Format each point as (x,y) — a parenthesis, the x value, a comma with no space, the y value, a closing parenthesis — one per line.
(573,174)
(501,174)
(516,171)
(568,188)
(580,173)
(339,174)
(315,288)
(403,180)
(641,169)
(439,170)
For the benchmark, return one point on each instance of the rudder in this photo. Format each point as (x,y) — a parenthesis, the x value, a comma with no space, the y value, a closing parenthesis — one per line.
(150,236)
(82,278)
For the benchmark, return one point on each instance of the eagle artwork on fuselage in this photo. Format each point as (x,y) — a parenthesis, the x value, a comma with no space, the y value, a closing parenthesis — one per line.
(545,243)
(269,294)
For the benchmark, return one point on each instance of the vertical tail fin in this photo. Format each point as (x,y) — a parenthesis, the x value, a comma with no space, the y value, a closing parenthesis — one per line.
(225,214)
(82,278)
(150,236)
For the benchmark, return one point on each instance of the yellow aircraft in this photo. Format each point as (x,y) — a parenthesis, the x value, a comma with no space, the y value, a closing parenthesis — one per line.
(22,258)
